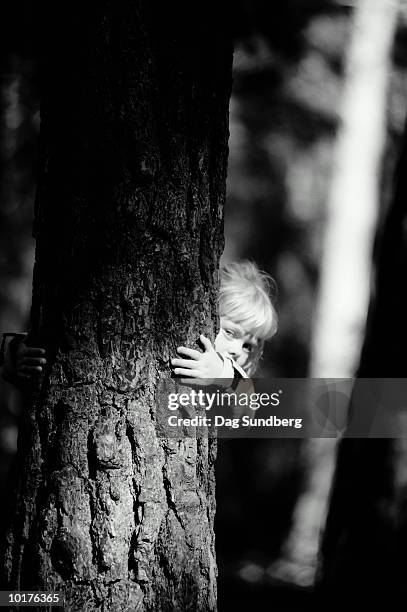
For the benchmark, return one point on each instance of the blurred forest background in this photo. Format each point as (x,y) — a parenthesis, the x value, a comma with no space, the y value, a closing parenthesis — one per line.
(298,160)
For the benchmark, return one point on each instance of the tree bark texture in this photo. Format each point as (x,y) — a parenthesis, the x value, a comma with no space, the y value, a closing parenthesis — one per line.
(129,229)
(364,549)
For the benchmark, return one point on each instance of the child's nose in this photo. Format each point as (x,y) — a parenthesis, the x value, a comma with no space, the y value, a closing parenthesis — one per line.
(235,348)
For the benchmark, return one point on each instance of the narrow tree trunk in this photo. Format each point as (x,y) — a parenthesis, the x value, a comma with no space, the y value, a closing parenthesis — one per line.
(364,545)
(129,227)
(353,203)
(364,550)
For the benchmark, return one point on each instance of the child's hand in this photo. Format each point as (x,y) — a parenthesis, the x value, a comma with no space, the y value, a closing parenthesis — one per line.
(29,361)
(201,366)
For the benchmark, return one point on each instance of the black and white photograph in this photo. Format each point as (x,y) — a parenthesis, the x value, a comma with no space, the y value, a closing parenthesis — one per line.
(203,305)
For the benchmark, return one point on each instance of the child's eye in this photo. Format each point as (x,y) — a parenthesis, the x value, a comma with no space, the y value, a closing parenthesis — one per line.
(248,348)
(228,333)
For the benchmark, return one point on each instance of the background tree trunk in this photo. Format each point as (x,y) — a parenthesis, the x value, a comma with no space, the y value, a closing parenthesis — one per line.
(364,546)
(352,208)
(129,229)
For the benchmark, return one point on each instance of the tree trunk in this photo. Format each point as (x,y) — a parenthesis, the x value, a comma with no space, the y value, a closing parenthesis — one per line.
(129,229)
(353,204)
(365,542)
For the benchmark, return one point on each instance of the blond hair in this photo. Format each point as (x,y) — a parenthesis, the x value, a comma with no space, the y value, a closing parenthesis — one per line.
(246,297)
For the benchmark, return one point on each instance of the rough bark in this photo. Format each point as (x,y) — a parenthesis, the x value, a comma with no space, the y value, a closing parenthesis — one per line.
(129,229)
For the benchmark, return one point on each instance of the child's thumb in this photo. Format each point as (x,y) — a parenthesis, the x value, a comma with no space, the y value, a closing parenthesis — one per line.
(206,342)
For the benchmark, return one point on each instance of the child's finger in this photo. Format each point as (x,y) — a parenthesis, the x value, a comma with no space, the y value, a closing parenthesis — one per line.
(30,370)
(33,350)
(184,363)
(185,372)
(33,361)
(206,342)
(183,350)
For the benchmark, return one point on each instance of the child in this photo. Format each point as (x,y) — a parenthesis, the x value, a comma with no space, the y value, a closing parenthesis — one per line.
(247,319)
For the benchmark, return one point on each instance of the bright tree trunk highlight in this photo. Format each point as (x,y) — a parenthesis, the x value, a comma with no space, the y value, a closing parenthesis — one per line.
(346,261)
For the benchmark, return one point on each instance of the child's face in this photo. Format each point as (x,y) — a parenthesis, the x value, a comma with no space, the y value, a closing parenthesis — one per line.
(237,343)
